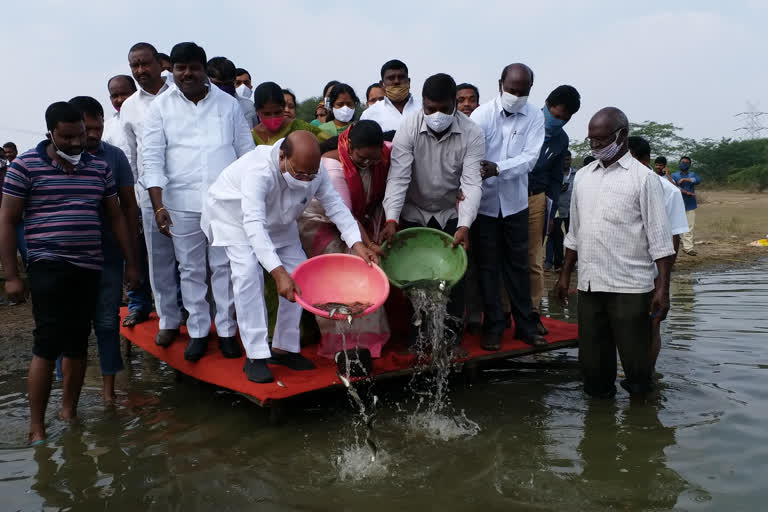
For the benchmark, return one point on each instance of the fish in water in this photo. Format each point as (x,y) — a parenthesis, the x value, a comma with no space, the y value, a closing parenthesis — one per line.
(350,310)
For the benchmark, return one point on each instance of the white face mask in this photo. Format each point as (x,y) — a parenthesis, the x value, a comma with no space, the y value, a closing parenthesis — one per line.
(608,152)
(72,159)
(511,103)
(438,122)
(344,114)
(244,91)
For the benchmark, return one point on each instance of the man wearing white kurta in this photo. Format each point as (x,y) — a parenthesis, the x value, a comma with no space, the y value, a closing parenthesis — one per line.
(191,133)
(157,248)
(251,212)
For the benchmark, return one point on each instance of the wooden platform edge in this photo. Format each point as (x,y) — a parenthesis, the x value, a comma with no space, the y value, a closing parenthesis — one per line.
(484,359)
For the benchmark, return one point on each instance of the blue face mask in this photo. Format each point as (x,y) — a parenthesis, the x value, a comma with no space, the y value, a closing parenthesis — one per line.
(684,166)
(552,125)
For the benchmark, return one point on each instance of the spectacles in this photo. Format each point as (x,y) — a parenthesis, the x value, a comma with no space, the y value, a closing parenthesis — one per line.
(300,175)
(602,141)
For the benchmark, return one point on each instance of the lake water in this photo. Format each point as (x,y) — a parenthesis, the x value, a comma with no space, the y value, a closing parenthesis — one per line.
(702,445)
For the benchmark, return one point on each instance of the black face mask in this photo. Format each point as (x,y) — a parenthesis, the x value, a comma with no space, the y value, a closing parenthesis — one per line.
(227,88)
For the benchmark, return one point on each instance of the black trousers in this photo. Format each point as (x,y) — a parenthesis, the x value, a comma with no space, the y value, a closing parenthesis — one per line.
(610,321)
(501,251)
(558,236)
(456,297)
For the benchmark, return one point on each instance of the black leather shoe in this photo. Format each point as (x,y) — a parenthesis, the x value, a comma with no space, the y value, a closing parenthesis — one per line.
(165,337)
(291,360)
(196,349)
(230,347)
(536,340)
(257,371)
(492,341)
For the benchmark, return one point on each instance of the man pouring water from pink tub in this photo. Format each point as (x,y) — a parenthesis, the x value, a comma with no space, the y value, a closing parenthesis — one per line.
(251,210)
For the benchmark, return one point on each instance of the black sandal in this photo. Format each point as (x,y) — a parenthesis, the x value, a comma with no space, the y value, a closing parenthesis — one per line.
(135,317)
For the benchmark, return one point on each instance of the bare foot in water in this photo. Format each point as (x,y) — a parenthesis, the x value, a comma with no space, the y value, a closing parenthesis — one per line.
(67,415)
(37,434)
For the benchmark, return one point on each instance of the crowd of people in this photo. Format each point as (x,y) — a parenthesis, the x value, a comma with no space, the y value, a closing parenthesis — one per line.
(200,185)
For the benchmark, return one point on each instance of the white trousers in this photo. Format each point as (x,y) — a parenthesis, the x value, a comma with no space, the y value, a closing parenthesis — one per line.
(687,238)
(162,272)
(192,251)
(248,284)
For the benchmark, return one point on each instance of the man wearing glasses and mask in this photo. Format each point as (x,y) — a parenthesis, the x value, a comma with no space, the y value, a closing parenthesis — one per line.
(251,212)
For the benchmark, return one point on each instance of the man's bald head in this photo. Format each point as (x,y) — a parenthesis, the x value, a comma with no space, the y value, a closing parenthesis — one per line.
(303,151)
(516,79)
(607,126)
(609,118)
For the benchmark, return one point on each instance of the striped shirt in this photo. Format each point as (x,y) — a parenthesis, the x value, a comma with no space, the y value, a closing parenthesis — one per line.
(618,226)
(61,209)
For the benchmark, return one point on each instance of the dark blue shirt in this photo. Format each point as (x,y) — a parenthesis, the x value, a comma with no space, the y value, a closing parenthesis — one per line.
(121,171)
(688,186)
(547,174)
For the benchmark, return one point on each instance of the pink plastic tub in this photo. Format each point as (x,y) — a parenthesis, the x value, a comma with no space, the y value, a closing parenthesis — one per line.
(342,279)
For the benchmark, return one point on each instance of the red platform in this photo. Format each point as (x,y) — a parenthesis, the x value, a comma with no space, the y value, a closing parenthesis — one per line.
(228,373)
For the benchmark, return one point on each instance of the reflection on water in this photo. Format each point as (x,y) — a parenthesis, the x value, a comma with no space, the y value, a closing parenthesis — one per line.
(542,445)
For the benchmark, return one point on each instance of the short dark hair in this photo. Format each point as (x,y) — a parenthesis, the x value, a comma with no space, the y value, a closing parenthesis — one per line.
(123,77)
(144,46)
(88,106)
(329,85)
(222,69)
(61,112)
(589,159)
(393,64)
(468,86)
(565,95)
(188,52)
(439,87)
(163,56)
(506,68)
(661,160)
(241,71)
(639,147)
(10,145)
(685,157)
(372,86)
(289,93)
(365,134)
(268,92)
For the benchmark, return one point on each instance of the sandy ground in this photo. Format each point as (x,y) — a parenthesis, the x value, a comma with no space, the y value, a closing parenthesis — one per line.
(726,222)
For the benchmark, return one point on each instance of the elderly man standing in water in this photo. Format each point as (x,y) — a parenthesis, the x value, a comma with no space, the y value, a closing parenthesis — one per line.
(618,230)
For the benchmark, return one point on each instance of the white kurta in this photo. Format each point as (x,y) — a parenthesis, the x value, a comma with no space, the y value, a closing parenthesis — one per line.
(186,146)
(252,212)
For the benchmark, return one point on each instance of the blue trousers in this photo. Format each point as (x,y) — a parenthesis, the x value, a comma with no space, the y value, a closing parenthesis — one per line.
(106,317)
(140,299)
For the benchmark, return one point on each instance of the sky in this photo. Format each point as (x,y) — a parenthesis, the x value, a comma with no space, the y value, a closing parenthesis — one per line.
(693,63)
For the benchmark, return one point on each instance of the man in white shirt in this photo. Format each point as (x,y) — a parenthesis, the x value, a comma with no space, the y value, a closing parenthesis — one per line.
(191,133)
(399,102)
(160,262)
(674,207)
(251,213)
(514,134)
(618,229)
(436,156)
(120,88)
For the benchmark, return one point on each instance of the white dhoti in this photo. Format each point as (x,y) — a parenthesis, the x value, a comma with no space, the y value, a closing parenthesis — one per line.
(162,272)
(248,284)
(192,252)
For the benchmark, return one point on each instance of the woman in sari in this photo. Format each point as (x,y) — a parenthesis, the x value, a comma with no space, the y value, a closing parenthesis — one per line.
(343,101)
(358,169)
(273,125)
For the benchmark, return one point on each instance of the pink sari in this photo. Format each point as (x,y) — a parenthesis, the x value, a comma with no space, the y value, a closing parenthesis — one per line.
(320,236)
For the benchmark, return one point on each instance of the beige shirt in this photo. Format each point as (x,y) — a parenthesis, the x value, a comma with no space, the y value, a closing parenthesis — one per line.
(425,174)
(619,226)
